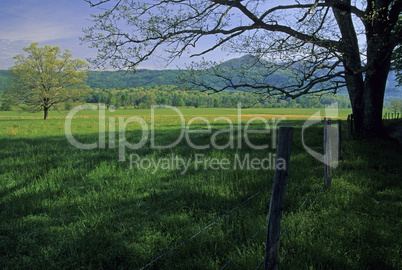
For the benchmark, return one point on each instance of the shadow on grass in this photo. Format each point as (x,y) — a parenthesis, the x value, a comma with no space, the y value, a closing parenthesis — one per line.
(63,207)
(66,208)
(355,224)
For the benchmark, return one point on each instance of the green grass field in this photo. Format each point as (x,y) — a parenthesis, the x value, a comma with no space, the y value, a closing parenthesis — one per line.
(68,208)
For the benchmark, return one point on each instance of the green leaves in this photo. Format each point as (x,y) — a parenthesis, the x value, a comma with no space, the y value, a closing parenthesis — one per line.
(46,76)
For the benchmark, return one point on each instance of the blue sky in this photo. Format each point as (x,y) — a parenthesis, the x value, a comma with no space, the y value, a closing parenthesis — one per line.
(56,23)
(49,22)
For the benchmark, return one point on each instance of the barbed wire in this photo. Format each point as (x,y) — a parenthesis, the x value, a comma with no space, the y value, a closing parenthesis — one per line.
(206,227)
(298,230)
(264,225)
(260,229)
(291,169)
(300,186)
(259,265)
(304,219)
(245,245)
(300,207)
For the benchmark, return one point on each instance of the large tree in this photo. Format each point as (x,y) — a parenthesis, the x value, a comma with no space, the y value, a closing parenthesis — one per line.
(45,77)
(321,45)
(397,55)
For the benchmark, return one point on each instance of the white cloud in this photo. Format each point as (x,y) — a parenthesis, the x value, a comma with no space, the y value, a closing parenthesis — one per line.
(9,49)
(45,21)
(38,31)
(34,22)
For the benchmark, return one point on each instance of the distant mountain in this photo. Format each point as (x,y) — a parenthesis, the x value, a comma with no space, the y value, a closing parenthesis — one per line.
(127,79)
(255,69)
(119,79)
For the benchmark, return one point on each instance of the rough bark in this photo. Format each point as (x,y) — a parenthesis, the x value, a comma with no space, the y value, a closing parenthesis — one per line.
(366,92)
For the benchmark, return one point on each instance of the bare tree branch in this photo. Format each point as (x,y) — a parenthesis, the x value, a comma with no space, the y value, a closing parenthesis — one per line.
(321,45)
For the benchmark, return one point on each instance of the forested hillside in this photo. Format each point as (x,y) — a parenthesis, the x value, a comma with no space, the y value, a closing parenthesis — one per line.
(140,88)
(127,79)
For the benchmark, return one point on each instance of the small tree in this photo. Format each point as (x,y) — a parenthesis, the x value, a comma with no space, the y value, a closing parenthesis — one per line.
(124,100)
(46,77)
(395,105)
(112,100)
(178,101)
(216,103)
(6,105)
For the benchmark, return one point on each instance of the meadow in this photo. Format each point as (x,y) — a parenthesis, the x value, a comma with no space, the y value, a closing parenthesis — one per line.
(68,208)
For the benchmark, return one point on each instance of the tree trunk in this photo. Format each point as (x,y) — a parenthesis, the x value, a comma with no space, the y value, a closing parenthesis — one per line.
(46,112)
(366,83)
(367,112)
(367,97)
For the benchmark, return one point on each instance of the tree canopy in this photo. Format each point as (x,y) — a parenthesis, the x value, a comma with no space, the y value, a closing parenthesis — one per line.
(145,97)
(327,44)
(397,55)
(395,105)
(45,77)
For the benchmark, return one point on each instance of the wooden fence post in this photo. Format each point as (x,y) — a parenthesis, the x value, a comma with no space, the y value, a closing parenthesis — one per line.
(285,136)
(348,128)
(327,152)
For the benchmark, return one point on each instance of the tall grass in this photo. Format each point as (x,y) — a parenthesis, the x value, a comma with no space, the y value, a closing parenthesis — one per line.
(66,208)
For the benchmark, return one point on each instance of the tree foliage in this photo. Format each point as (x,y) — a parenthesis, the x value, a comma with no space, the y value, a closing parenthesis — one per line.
(145,97)
(397,55)
(326,44)
(46,77)
(6,105)
(395,105)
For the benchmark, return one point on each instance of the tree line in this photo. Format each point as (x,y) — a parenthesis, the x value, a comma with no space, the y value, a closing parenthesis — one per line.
(325,45)
(48,78)
(145,97)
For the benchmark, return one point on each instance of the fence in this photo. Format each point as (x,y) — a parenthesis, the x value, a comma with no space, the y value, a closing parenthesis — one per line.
(272,260)
(351,122)
(391,116)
